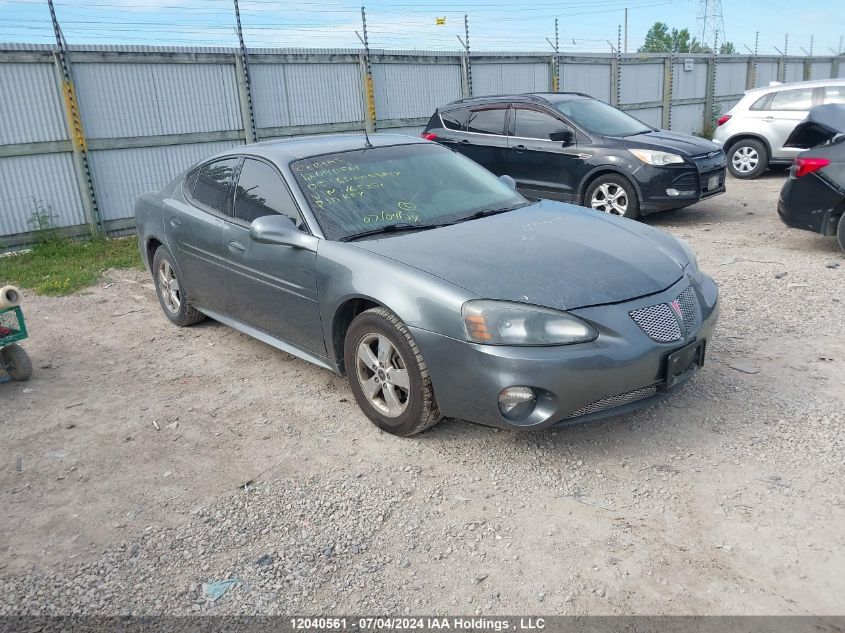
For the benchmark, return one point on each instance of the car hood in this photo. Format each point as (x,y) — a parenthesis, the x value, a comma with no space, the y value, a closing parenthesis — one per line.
(549,254)
(667,141)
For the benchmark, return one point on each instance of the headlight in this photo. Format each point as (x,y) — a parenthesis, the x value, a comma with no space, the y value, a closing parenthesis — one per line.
(691,267)
(506,323)
(654,157)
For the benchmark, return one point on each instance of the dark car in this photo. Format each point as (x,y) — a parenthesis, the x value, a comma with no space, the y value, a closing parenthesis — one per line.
(573,148)
(813,197)
(433,285)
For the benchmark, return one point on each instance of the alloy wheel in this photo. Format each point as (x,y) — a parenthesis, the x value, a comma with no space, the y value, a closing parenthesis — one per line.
(168,286)
(745,159)
(383,375)
(610,198)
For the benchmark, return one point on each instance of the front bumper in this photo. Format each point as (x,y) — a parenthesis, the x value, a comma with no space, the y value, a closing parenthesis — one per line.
(690,181)
(622,363)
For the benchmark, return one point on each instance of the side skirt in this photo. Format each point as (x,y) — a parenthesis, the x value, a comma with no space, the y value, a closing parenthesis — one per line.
(264,337)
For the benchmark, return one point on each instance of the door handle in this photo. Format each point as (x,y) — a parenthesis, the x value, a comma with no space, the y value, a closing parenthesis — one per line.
(464,142)
(520,148)
(237,248)
(769,119)
(175,222)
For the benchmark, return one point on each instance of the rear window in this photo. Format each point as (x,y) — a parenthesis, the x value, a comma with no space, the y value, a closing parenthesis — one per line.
(454,119)
(800,99)
(487,120)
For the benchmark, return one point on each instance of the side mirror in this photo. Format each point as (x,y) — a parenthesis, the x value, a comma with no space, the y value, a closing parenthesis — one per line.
(280,229)
(564,136)
(510,182)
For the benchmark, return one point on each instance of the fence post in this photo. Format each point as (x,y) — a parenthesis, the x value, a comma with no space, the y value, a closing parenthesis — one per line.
(245,99)
(615,81)
(710,95)
(369,95)
(668,77)
(464,78)
(781,69)
(834,67)
(808,69)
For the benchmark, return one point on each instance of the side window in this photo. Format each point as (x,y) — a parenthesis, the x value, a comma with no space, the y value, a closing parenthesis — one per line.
(535,124)
(190,182)
(212,184)
(261,192)
(834,94)
(455,119)
(801,99)
(486,120)
(762,103)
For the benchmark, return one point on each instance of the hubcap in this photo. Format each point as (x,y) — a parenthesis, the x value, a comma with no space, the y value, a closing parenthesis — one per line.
(745,159)
(610,198)
(383,375)
(168,286)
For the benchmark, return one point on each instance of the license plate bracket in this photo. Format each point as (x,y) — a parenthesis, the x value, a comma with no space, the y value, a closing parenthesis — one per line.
(713,183)
(684,361)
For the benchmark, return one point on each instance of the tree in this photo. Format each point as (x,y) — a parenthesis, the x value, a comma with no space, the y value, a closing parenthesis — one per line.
(660,39)
(727,48)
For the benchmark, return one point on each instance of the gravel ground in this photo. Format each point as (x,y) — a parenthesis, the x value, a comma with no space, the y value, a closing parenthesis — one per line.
(144,463)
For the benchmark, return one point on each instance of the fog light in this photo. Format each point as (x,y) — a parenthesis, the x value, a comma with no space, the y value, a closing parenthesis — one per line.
(517,403)
(673,192)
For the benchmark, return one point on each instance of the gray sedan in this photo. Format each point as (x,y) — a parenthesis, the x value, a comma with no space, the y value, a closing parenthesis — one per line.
(433,285)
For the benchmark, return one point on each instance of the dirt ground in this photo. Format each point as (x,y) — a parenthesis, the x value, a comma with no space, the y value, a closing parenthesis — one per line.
(142,460)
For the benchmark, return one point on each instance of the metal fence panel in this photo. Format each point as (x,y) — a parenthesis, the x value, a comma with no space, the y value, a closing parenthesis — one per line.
(30,106)
(724,106)
(766,73)
(591,79)
(121,175)
(731,78)
(688,118)
(414,90)
(641,83)
(821,70)
(794,71)
(689,84)
(649,116)
(123,99)
(42,179)
(507,78)
(305,94)
(414,130)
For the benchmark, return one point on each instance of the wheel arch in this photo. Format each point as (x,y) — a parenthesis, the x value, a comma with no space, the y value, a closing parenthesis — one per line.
(748,136)
(151,246)
(604,170)
(344,314)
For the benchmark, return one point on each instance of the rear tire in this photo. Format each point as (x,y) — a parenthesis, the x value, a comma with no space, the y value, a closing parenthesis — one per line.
(747,158)
(840,232)
(614,195)
(171,293)
(16,362)
(387,374)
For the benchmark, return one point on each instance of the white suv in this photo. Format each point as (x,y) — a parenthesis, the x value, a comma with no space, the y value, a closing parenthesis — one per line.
(753,132)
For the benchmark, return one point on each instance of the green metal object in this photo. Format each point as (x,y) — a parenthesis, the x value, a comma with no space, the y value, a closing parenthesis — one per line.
(12,326)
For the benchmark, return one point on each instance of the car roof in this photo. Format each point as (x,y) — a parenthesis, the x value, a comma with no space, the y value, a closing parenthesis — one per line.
(284,151)
(545,98)
(813,83)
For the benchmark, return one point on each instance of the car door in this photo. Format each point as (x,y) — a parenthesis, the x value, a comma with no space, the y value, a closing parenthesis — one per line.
(194,228)
(783,112)
(269,286)
(484,140)
(542,167)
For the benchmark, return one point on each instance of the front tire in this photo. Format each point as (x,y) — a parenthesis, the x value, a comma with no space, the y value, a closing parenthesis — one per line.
(387,374)
(16,362)
(614,195)
(747,159)
(840,232)
(170,290)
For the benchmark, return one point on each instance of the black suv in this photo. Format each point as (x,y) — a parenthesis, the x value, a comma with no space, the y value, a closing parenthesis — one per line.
(571,147)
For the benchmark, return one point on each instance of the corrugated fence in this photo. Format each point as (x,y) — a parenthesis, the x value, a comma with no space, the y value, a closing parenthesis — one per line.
(148,113)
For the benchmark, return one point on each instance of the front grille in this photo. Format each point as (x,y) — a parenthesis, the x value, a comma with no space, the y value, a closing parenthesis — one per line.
(659,322)
(705,178)
(689,310)
(686,182)
(615,401)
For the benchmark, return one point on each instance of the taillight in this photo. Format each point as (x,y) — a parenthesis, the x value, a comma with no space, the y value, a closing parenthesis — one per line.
(428,136)
(723,119)
(807,165)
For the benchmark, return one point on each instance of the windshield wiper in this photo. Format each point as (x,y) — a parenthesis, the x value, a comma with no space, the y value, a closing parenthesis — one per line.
(640,132)
(492,211)
(389,228)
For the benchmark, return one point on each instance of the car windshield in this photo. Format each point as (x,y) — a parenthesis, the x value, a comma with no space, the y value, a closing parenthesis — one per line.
(600,118)
(412,186)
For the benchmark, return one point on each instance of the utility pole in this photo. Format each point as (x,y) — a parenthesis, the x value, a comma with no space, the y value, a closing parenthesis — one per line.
(467,63)
(244,84)
(369,93)
(82,166)
(626,29)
